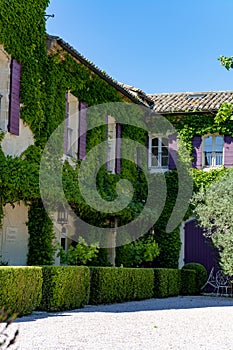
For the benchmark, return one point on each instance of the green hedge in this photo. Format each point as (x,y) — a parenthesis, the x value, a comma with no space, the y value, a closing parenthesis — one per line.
(20,288)
(117,284)
(65,287)
(166,282)
(201,274)
(56,288)
(188,282)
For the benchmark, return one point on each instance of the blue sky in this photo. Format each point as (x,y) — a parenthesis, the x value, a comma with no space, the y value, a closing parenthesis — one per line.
(156,45)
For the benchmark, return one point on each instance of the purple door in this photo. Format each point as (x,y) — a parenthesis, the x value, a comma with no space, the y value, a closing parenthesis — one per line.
(197,247)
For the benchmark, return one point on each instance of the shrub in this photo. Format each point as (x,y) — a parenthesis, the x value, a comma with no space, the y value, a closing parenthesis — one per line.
(20,288)
(166,282)
(118,284)
(137,253)
(169,246)
(201,274)
(65,287)
(80,254)
(188,282)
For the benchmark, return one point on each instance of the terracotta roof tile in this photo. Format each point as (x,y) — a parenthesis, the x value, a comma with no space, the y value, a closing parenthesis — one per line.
(190,101)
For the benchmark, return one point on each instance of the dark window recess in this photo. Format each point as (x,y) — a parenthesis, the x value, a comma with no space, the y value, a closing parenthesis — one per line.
(118,149)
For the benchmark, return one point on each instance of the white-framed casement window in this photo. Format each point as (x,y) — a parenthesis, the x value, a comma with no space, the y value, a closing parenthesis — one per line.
(212,150)
(111,139)
(72,126)
(158,152)
(5,62)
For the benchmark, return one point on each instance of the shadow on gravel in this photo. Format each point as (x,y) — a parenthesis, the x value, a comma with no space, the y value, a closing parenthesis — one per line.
(180,302)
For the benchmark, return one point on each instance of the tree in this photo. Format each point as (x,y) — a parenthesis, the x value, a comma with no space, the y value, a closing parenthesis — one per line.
(214,211)
(227,62)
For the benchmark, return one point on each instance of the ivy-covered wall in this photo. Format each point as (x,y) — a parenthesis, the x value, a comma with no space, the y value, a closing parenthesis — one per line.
(44,82)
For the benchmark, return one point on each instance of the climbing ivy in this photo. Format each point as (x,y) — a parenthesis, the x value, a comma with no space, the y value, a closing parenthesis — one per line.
(44,82)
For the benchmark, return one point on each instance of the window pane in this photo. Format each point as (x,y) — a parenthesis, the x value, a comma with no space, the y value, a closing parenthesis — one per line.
(219,143)
(218,160)
(164,151)
(208,143)
(154,161)
(164,160)
(165,141)
(208,158)
(155,142)
(155,151)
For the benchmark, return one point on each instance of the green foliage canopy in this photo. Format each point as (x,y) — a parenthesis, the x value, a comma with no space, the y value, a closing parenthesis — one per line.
(214,210)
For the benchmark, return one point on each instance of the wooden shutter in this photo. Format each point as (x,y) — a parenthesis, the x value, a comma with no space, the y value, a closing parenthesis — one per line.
(82,130)
(172,151)
(118,149)
(147,153)
(228,151)
(14,105)
(66,125)
(197,154)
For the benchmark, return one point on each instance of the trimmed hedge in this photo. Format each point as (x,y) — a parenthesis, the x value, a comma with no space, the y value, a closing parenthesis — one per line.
(65,287)
(56,288)
(166,282)
(188,282)
(201,274)
(117,284)
(20,288)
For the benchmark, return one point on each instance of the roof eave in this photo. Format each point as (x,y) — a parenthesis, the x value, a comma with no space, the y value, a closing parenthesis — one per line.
(97,71)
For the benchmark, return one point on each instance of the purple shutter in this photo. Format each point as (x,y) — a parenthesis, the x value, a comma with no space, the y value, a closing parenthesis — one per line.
(118,149)
(66,126)
(197,154)
(82,130)
(228,151)
(147,153)
(106,137)
(14,105)
(172,151)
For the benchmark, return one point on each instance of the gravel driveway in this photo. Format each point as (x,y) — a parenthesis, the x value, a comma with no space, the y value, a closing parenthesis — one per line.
(197,322)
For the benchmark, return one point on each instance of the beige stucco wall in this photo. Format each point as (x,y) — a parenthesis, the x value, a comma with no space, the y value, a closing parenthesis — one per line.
(14,235)
(14,145)
(5,61)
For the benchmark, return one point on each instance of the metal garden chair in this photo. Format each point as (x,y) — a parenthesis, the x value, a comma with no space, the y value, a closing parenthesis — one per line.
(223,283)
(211,280)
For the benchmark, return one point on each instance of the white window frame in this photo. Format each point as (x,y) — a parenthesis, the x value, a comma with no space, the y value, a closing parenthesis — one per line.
(213,156)
(5,68)
(150,155)
(72,126)
(111,139)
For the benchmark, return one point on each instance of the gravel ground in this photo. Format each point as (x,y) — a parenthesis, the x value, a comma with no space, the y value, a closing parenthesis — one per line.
(197,322)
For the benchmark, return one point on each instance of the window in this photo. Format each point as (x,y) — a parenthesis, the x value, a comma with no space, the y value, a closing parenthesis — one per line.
(72,125)
(113,163)
(75,128)
(212,150)
(158,152)
(111,138)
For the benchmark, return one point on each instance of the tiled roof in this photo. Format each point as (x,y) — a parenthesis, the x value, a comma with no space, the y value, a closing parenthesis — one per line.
(138,92)
(183,102)
(135,98)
